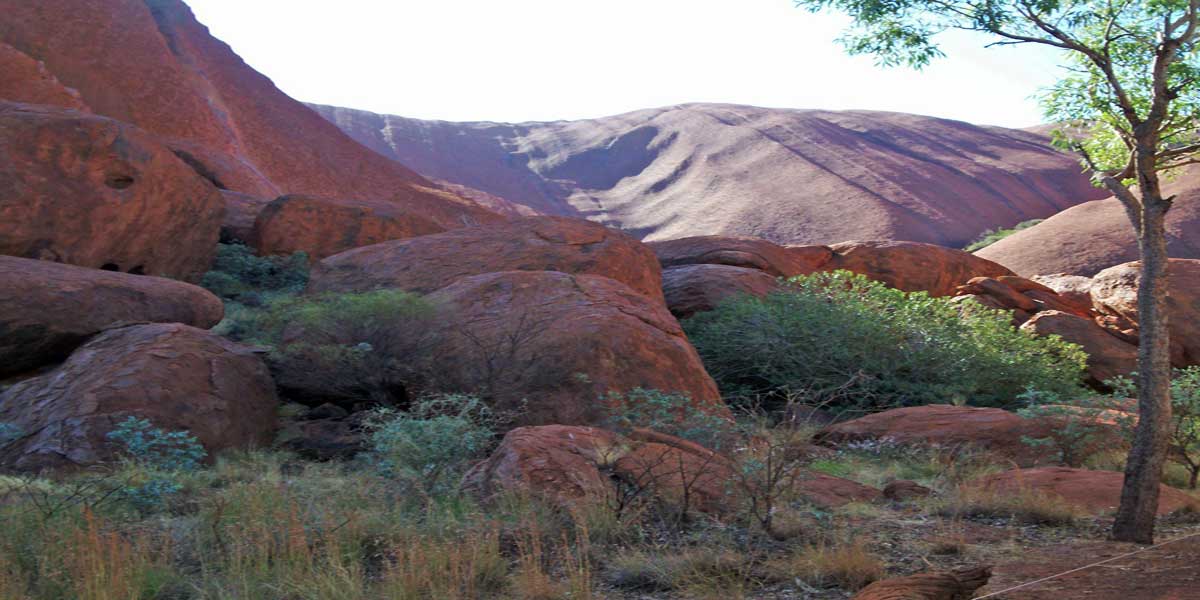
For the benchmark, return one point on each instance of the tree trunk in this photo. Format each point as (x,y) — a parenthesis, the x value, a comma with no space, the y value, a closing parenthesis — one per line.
(1143,469)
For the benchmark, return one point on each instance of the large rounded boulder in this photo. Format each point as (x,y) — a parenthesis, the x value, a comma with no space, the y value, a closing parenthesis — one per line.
(48,309)
(178,377)
(431,262)
(912,266)
(690,289)
(746,252)
(241,210)
(99,193)
(325,226)
(1108,355)
(552,345)
(1114,292)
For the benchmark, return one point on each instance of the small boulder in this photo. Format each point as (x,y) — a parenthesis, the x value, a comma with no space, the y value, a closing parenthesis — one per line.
(950,427)
(559,462)
(912,266)
(1114,292)
(94,192)
(1091,492)
(326,226)
(745,252)
(903,490)
(176,376)
(431,262)
(1108,355)
(48,309)
(831,492)
(959,584)
(690,289)
(552,345)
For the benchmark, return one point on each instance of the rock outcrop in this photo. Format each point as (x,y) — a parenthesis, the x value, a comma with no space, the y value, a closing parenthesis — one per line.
(176,376)
(1114,292)
(745,252)
(240,212)
(25,80)
(554,344)
(48,309)
(95,192)
(1090,492)
(789,176)
(690,289)
(1108,355)
(431,262)
(323,227)
(911,266)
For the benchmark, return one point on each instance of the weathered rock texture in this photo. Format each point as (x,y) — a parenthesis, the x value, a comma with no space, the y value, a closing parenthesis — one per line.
(150,63)
(240,212)
(431,262)
(690,289)
(1114,292)
(48,309)
(746,252)
(790,176)
(1108,355)
(1092,492)
(1085,239)
(23,79)
(959,584)
(911,266)
(99,193)
(178,377)
(553,344)
(322,227)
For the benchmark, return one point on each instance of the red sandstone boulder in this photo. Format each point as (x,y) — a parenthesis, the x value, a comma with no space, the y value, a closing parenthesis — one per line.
(178,377)
(1108,355)
(831,492)
(690,289)
(431,262)
(47,309)
(903,490)
(1092,492)
(98,193)
(959,584)
(990,429)
(552,344)
(1074,290)
(746,252)
(559,462)
(241,210)
(912,266)
(323,227)
(1114,292)
(23,79)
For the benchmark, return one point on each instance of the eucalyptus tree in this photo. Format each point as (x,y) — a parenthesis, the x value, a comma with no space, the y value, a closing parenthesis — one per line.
(1129,94)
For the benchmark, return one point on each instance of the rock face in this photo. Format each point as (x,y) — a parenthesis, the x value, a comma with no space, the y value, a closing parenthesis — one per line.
(1093,492)
(323,227)
(94,192)
(959,584)
(1108,355)
(912,267)
(697,288)
(240,212)
(428,263)
(789,176)
(745,252)
(48,309)
(1114,292)
(553,344)
(178,377)
(990,429)
(1086,239)
(150,63)
(25,80)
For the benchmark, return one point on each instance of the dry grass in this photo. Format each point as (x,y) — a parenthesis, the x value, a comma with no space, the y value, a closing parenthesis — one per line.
(470,567)
(848,565)
(693,569)
(1024,506)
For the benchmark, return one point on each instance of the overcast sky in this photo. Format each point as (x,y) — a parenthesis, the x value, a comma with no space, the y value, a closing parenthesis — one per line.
(538,60)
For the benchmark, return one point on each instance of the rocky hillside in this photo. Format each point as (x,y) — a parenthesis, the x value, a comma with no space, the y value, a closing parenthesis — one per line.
(151,64)
(1093,236)
(790,176)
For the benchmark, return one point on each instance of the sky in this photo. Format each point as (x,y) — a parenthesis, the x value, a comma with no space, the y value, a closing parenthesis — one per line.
(543,60)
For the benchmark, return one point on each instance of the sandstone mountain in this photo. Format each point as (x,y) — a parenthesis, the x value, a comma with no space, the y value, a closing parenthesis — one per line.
(151,64)
(1086,239)
(789,176)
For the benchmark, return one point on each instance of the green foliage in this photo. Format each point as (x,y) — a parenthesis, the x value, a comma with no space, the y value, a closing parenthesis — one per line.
(1185,417)
(238,273)
(673,414)
(992,236)
(1081,430)
(161,456)
(842,340)
(430,445)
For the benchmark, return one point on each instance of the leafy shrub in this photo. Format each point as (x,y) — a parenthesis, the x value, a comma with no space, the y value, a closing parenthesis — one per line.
(370,347)
(237,272)
(430,445)
(992,236)
(1185,417)
(1081,429)
(161,454)
(853,343)
(664,412)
